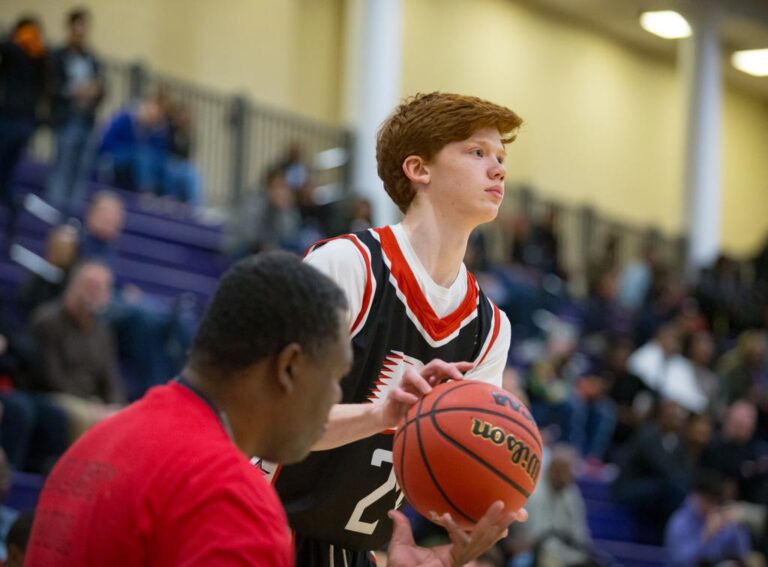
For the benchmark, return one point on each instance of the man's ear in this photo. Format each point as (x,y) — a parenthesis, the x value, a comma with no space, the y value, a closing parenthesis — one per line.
(416,169)
(288,364)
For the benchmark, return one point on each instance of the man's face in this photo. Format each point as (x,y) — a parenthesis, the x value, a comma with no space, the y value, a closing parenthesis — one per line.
(94,289)
(78,33)
(560,474)
(317,389)
(106,218)
(466,178)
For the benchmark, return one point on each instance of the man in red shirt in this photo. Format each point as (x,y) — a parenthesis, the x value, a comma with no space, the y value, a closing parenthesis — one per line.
(167,482)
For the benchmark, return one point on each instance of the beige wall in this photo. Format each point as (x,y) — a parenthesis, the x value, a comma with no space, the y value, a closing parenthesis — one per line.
(604,124)
(745,173)
(285,53)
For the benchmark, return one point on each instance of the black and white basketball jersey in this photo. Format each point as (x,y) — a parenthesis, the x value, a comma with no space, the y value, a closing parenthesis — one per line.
(341,496)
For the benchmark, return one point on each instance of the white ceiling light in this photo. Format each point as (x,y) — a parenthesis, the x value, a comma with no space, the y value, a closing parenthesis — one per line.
(667,24)
(752,61)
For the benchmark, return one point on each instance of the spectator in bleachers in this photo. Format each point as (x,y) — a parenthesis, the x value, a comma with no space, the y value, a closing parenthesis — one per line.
(633,398)
(744,369)
(699,349)
(23,61)
(548,391)
(77,350)
(182,181)
(593,415)
(659,364)
(268,219)
(104,221)
(724,300)
(556,532)
(135,145)
(704,530)
(608,261)
(546,244)
(520,234)
(361,215)
(665,303)
(295,169)
(78,89)
(18,538)
(32,429)
(656,470)
(734,454)
(698,436)
(142,327)
(61,252)
(603,313)
(537,244)
(637,277)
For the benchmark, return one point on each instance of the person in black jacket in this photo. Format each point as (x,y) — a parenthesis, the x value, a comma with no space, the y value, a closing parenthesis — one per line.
(22,86)
(657,469)
(78,89)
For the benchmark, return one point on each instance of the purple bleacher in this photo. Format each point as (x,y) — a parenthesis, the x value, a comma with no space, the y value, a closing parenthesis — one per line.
(633,554)
(25,490)
(163,255)
(614,528)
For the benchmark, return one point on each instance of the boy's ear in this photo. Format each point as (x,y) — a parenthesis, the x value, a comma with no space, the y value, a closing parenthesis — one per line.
(416,169)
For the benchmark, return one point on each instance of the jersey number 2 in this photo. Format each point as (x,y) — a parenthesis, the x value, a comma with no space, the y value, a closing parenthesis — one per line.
(355,523)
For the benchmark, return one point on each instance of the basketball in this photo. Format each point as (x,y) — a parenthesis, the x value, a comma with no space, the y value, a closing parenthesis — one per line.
(462,447)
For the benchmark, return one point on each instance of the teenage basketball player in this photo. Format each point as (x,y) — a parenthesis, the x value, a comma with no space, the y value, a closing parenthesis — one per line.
(416,317)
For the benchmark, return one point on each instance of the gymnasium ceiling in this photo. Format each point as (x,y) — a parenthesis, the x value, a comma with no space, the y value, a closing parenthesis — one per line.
(744,26)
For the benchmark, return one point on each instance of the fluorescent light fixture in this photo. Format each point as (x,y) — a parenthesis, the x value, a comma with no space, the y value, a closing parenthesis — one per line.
(751,61)
(667,24)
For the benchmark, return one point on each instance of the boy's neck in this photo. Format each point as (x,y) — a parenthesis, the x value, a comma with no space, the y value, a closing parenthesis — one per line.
(439,244)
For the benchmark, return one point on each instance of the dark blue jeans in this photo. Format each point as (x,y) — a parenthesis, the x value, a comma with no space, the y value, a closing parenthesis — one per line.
(74,157)
(14,137)
(33,431)
(592,425)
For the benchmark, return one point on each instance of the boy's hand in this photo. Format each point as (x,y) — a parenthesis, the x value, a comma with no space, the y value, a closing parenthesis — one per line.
(465,546)
(415,385)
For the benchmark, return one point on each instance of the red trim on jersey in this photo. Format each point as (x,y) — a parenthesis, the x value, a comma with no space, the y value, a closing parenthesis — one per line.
(437,328)
(277,473)
(494,335)
(368,293)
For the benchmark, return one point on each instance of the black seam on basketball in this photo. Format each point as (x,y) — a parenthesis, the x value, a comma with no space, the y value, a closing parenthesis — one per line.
(431,474)
(479,459)
(400,461)
(478,410)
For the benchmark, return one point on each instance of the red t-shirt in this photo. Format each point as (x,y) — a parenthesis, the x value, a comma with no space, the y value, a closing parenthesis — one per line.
(159,484)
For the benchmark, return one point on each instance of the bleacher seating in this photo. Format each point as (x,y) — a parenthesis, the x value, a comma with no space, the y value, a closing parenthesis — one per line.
(163,255)
(614,529)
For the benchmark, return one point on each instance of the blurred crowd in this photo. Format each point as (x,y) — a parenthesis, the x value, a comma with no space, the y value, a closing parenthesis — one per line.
(145,147)
(651,381)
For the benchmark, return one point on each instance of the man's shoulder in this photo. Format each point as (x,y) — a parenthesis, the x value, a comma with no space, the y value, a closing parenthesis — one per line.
(48,313)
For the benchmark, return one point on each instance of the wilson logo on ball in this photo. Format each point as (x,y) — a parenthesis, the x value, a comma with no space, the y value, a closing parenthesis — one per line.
(519,452)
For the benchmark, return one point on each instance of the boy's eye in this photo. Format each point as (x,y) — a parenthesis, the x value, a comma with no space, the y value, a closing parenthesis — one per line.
(478,152)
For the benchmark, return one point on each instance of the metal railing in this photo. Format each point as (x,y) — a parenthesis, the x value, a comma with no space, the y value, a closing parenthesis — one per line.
(584,233)
(236,140)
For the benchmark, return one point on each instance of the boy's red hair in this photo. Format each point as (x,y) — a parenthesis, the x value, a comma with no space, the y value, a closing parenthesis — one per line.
(425,123)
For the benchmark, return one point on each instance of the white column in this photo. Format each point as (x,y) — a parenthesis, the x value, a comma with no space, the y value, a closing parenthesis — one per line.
(701,61)
(372,90)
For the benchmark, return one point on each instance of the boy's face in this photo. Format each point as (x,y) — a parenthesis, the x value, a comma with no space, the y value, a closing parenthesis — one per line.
(466,178)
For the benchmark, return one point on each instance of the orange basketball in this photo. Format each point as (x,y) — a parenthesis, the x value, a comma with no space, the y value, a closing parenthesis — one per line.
(462,447)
